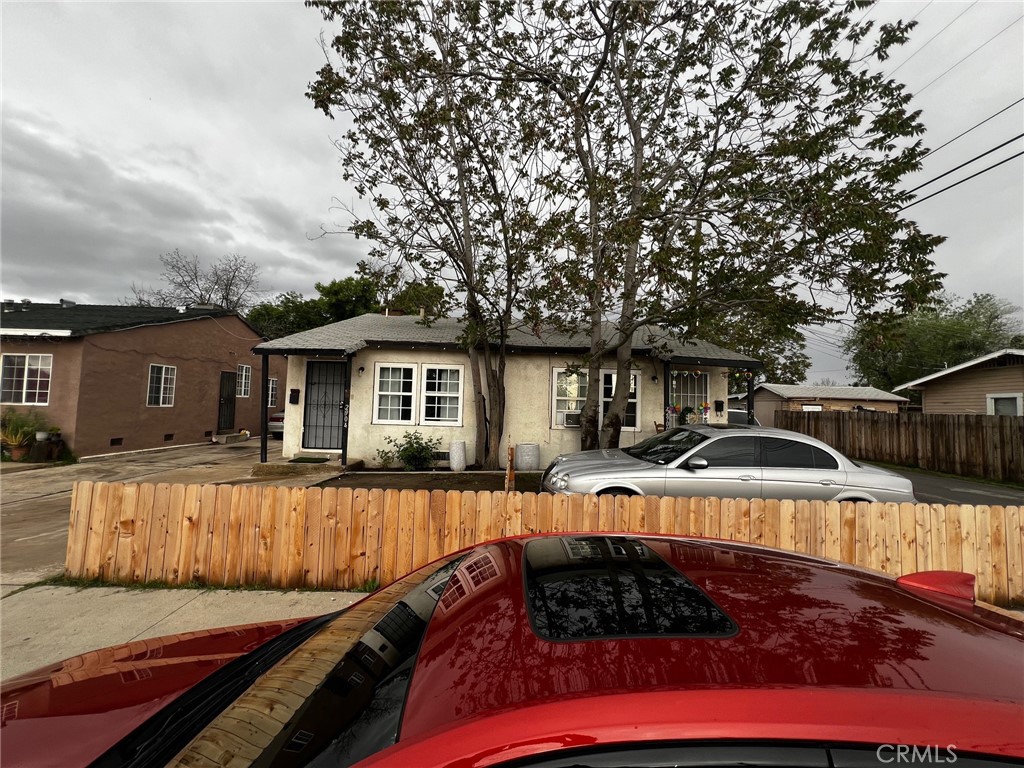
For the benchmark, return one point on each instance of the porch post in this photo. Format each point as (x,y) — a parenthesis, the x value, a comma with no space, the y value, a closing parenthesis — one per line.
(666,390)
(264,404)
(750,397)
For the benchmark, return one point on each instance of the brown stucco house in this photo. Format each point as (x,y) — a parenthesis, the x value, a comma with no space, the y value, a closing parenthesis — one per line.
(120,378)
(992,384)
(769,398)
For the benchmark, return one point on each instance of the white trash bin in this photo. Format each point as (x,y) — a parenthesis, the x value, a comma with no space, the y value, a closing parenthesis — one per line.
(527,457)
(457,455)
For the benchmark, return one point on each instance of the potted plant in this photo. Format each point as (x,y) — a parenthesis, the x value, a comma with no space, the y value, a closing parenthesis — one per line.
(17,431)
(54,434)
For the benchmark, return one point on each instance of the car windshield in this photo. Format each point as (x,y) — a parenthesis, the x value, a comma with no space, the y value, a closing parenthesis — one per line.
(333,700)
(667,446)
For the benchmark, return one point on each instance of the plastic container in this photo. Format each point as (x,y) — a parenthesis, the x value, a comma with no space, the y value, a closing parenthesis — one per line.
(457,455)
(527,457)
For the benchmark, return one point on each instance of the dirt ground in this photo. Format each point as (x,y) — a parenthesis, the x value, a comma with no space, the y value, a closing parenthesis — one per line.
(430,481)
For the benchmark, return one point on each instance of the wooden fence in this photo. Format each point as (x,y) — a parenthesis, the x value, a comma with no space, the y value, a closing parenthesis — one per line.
(340,538)
(971,445)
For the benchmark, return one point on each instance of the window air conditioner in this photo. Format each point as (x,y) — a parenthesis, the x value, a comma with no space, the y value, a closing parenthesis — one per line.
(572,419)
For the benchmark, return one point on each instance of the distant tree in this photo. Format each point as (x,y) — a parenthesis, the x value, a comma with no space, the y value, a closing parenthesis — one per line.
(287,314)
(947,332)
(826,382)
(231,282)
(348,297)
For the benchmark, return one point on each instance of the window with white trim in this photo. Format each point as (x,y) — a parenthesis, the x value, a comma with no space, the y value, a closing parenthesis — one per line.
(442,394)
(570,393)
(394,387)
(272,393)
(1005,404)
(25,379)
(161,386)
(244,383)
(568,397)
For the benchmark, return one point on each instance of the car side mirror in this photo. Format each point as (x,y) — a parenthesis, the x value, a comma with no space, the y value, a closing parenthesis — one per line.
(697,462)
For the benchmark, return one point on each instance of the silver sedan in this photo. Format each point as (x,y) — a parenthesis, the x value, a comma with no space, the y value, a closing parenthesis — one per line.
(726,461)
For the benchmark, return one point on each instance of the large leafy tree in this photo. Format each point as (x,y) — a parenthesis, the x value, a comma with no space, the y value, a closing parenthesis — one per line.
(701,160)
(890,351)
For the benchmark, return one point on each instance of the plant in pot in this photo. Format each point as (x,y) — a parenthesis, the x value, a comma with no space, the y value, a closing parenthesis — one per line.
(17,432)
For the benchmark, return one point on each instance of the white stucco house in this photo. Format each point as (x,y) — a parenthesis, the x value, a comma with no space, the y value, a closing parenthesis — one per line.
(352,383)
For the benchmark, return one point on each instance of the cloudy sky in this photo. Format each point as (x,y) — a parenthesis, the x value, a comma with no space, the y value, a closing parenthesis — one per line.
(133,128)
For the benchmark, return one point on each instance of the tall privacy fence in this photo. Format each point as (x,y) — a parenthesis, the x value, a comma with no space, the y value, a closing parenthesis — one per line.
(340,538)
(972,445)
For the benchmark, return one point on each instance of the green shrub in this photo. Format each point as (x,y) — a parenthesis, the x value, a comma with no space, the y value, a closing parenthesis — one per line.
(18,428)
(415,451)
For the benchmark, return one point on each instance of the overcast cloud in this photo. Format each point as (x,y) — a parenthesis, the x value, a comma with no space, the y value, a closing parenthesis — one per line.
(131,129)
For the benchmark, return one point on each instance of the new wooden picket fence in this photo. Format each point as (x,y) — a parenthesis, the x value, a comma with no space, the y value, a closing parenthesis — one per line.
(972,445)
(340,538)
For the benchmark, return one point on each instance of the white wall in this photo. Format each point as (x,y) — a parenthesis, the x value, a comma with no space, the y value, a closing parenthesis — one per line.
(528,417)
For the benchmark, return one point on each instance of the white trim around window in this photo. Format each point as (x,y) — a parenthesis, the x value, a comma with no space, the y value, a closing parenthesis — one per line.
(990,402)
(569,393)
(244,384)
(441,395)
(26,379)
(418,394)
(160,393)
(271,393)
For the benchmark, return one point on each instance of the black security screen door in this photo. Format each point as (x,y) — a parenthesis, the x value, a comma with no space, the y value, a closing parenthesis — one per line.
(325,414)
(226,409)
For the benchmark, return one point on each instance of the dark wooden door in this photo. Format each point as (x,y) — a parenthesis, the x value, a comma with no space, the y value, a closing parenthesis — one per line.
(226,409)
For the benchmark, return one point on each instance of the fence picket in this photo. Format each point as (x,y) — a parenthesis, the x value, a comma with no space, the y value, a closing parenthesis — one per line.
(344,538)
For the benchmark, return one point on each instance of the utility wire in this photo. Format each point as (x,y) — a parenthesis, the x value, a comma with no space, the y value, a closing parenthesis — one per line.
(977,125)
(925,45)
(965,58)
(957,184)
(978,157)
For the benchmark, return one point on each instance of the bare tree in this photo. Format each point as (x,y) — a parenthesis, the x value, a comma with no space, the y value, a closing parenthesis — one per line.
(231,282)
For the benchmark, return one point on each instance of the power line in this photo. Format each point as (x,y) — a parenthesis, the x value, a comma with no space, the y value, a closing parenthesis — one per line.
(925,45)
(957,184)
(977,125)
(977,157)
(965,58)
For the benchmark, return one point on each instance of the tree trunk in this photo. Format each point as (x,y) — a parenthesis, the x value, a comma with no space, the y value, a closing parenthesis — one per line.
(479,404)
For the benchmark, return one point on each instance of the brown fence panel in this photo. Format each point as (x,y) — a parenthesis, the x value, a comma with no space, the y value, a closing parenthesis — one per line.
(971,445)
(344,538)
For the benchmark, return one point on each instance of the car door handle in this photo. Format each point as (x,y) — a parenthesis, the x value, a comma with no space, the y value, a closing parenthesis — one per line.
(747,478)
(826,482)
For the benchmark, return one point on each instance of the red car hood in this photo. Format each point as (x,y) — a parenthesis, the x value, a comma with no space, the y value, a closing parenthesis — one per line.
(84,705)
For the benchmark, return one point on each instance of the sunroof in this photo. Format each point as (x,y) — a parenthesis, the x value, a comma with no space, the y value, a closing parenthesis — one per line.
(591,587)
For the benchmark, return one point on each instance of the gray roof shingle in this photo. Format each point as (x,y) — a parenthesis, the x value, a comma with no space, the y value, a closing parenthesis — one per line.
(348,336)
(831,393)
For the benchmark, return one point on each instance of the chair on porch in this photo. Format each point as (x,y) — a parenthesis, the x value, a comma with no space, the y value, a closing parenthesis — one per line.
(659,427)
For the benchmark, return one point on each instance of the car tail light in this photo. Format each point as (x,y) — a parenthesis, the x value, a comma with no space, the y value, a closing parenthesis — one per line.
(940,586)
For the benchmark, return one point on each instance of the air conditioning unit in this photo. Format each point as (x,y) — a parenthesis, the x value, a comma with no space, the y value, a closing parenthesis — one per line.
(572,419)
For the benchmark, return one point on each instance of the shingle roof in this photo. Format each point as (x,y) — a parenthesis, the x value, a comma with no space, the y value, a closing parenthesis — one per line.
(86,319)
(1009,353)
(348,336)
(800,391)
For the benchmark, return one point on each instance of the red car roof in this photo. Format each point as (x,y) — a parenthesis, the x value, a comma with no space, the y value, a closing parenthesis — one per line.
(822,651)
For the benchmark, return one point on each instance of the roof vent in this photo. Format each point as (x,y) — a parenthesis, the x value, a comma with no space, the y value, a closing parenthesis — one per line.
(8,305)
(65,303)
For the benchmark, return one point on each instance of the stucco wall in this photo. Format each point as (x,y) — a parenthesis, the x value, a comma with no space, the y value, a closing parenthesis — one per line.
(529,382)
(965,391)
(62,408)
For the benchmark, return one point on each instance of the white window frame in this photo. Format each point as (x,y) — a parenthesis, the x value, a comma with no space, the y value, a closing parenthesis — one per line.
(48,368)
(555,372)
(990,401)
(165,401)
(425,369)
(601,399)
(272,393)
(375,418)
(243,387)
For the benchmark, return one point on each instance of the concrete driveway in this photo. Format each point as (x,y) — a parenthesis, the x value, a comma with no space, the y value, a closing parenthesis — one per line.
(35,501)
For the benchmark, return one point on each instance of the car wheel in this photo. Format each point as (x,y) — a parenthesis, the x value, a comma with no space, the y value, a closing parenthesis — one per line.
(617,492)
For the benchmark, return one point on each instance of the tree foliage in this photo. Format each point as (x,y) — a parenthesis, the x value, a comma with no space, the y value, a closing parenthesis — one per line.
(231,282)
(690,164)
(892,351)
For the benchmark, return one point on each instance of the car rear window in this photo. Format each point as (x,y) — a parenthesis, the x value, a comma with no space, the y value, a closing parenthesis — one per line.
(780,452)
(594,587)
